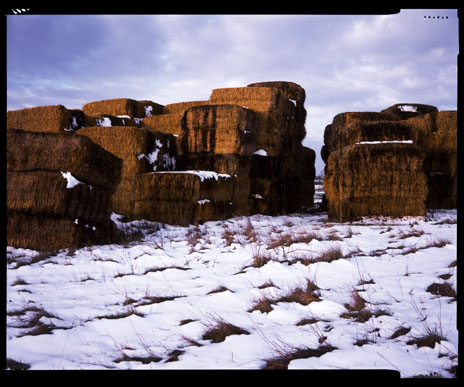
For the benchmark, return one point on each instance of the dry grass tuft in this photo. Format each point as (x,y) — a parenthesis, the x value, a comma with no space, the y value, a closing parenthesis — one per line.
(264,305)
(302,295)
(330,255)
(444,290)
(285,356)
(219,331)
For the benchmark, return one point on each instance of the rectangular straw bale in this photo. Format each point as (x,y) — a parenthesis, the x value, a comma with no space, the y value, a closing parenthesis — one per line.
(123,198)
(306,159)
(54,118)
(41,232)
(164,123)
(372,131)
(447,131)
(87,161)
(343,120)
(407,110)
(42,192)
(293,92)
(182,186)
(140,149)
(122,107)
(147,108)
(218,129)
(275,114)
(165,211)
(181,107)
(260,99)
(376,179)
(230,164)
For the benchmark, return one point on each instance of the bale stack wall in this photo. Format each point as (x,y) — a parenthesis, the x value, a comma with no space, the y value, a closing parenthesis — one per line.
(276,185)
(433,133)
(45,211)
(437,134)
(141,151)
(375,179)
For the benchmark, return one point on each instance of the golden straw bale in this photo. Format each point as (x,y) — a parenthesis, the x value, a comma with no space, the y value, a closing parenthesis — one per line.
(290,89)
(165,123)
(181,107)
(218,129)
(55,118)
(175,197)
(41,232)
(123,198)
(368,131)
(123,107)
(184,186)
(376,179)
(293,92)
(260,99)
(87,161)
(275,115)
(408,110)
(230,164)
(147,108)
(437,135)
(141,150)
(344,120)
(42,192)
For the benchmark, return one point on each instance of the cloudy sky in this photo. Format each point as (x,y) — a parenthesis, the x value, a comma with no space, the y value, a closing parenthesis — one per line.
(344,62)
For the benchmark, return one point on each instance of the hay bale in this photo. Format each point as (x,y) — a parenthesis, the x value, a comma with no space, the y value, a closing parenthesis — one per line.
(166,123)
(291,90)
(175,197)
(275,115)
(181,107)
(342,121)
(368,131)
(188,186)
(87,161)
(376,179)
(140,149)
(46,193)
(437,135)
(54,118)
(219,129)
(408,110)
(260,99)
(123,107)
(41,232)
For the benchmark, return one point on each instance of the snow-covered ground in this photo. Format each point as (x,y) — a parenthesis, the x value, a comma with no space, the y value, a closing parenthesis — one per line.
(246,293)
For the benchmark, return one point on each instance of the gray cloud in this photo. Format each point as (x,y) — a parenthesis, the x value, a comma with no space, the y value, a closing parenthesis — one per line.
(345,63)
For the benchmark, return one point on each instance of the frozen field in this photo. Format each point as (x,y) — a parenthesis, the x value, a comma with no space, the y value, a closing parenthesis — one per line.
(294,292)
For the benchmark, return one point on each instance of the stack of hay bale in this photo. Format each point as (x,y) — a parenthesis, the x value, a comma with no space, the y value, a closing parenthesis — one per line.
(140,150)
(238,153)
(436,134)
(281,170)
(59,189)
(375,163)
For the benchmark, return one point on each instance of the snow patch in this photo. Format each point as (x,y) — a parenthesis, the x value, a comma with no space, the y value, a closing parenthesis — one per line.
(72,181)
(408,108)
(386,142)
(260,152)
(105,121)
(148,111)
(202,174)
(73,125)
